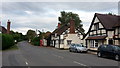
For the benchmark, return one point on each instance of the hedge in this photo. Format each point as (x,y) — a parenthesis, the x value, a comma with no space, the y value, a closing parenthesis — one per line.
(7,41)
(36,41)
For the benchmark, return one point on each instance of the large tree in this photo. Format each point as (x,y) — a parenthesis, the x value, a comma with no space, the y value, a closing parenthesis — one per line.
(66,16)
(31,34)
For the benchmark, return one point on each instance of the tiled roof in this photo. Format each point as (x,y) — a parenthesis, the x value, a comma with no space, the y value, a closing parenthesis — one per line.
(3,29)
(61,29)
(108,21)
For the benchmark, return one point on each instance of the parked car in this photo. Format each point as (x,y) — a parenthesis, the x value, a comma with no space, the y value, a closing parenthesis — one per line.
(112,51)
(77,48)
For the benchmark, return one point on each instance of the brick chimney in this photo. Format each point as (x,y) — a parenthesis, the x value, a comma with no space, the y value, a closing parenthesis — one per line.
(72,26)
(8,27)
(59,25)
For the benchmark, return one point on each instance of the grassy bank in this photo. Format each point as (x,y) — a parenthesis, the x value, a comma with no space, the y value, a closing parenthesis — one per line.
(15,47)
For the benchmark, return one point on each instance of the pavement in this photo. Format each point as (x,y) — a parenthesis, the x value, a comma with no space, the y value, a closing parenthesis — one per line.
(29,55)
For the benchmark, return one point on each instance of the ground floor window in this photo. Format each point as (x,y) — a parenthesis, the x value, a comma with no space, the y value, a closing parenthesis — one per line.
(62,41)
(96,43)
(91,43)
(69,42)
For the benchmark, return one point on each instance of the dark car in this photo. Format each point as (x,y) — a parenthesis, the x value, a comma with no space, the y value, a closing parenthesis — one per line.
(112,51)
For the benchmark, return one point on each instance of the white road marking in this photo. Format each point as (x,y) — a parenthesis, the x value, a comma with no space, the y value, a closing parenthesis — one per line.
(58,56)
(79,63)
(26,63)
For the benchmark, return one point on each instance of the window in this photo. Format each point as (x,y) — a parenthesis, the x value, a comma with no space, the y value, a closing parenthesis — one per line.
(91,43)
(96,26)
(96,43)
(69,42)
(62,41)
(109,48)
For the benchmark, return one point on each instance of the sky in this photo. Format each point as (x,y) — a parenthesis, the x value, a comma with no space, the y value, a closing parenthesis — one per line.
(44,15)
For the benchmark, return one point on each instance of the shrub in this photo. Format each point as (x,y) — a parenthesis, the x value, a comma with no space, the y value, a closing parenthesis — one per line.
(7,41)
(36,41)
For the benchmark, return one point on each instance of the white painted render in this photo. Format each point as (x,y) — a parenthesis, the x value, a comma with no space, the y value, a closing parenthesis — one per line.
(110,34)
(74,38)
(96,20)
(100,25)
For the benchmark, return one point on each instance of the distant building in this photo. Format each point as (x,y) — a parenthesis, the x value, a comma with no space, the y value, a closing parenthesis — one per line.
(66,34)
(4,30)
(104,29)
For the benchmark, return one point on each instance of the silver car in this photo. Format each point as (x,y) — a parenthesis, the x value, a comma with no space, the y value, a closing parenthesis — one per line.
(77,48)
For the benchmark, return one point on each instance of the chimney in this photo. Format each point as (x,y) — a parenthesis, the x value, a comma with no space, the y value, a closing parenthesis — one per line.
(59,25)
(8,27)
(72,26)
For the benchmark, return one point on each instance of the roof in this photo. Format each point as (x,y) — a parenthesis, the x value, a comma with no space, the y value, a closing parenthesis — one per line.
(96,37)
(108,21)
(3,29)
(61,29)
(117,24)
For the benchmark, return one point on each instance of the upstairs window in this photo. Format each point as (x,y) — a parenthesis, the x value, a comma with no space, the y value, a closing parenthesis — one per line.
(96,26)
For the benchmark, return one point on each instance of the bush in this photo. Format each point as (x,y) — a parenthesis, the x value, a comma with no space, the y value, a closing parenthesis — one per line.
(7,41)
(36,41)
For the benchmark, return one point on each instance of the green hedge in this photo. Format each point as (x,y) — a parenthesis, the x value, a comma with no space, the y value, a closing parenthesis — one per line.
(36,41)
(7,41)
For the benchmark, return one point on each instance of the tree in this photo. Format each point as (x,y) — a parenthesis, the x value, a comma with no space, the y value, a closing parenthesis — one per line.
(17,36)
(66,16)
(31,34)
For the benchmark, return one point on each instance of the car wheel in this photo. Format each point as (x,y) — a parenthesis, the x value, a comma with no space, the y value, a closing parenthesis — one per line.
(99,54)
(117,57)
(70,50)
(76,51)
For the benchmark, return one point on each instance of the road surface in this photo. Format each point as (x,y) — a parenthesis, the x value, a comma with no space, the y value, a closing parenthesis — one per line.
(29,55)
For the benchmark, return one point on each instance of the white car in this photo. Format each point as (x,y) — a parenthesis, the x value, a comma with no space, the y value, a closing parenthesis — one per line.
(77,48)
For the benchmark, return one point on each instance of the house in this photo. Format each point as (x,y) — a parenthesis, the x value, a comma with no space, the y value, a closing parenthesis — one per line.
(66,34)
(116,36)
(4,30)
(101,31)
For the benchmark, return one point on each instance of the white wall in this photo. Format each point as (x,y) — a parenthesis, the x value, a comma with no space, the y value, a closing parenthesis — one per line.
(74,38)
(110,34)
(96,20)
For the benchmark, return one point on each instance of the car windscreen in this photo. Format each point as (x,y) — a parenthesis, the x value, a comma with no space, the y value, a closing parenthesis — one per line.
(79,45)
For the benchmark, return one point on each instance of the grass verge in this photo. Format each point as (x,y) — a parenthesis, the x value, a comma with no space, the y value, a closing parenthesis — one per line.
(15,47)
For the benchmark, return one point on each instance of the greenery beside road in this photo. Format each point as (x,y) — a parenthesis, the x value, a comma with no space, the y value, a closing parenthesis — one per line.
(7,41)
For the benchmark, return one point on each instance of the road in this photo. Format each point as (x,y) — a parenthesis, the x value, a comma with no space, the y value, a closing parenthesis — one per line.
(29,55)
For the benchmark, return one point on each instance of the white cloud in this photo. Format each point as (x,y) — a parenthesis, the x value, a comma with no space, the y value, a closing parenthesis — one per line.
(23,30)
(29,12)
(41,15)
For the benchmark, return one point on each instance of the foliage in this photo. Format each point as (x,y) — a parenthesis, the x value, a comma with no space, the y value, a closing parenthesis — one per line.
(7,41)
(31,34)
(36,41)
(66,16)
(17,36)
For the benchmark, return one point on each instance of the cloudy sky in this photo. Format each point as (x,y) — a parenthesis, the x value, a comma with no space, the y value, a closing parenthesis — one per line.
(44,15)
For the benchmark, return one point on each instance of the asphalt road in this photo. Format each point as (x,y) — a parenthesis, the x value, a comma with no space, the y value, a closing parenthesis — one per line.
(29,55)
